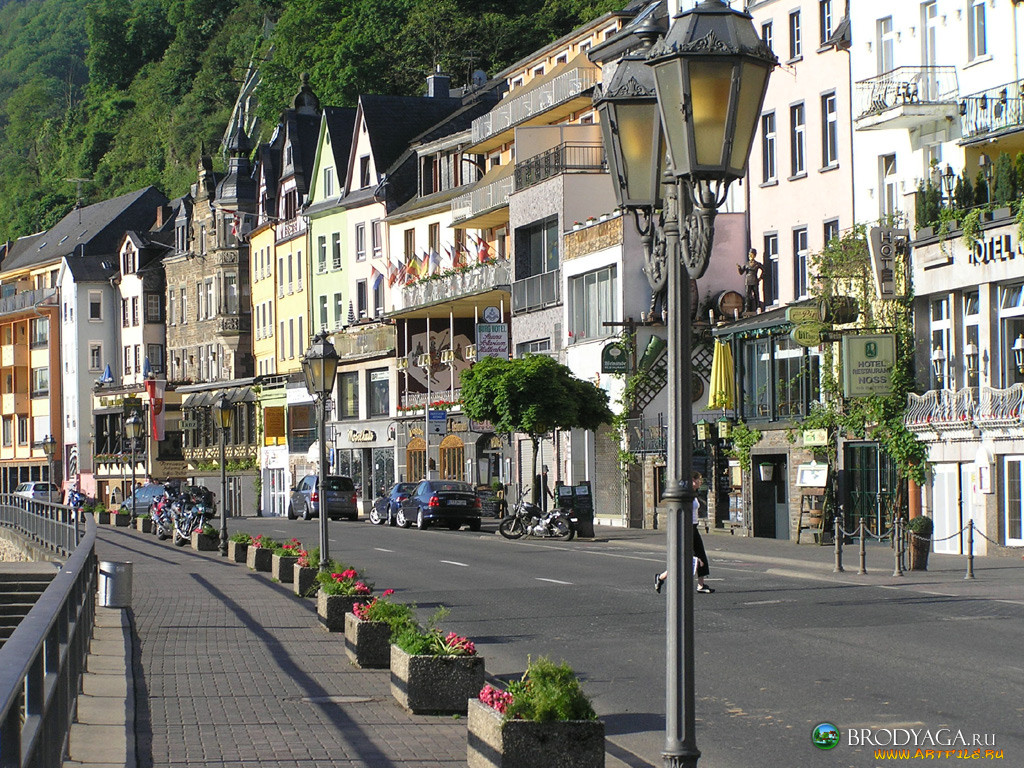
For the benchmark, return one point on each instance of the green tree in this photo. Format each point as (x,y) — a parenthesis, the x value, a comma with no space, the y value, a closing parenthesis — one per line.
(1002,182)
(534,395)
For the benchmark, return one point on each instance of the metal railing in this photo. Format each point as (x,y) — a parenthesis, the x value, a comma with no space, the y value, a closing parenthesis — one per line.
(903,86)
(482,199)
(537,292)
(25,299)
(565,158)
(644,435)
(41,664)
(993,110)
(965,410)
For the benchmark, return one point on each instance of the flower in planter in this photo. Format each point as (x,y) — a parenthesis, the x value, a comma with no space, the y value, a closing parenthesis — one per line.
(346,582)
(431,641)
(209,531)
(289,549)
(241,538)
(546,692)
(263,542)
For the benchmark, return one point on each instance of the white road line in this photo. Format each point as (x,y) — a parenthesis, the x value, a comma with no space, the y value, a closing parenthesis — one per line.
(381,549)
(453,562)
(555,581)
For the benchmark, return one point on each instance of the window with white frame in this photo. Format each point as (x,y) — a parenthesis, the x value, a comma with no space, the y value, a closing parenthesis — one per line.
(323,312)
(940,352)
(825,20)
(95,305)
(231,293)
(796,47)
(797,140)
(155,354)
(972,355)
(889,184)
(378,392)
(593,301)
(23,425)
(886,45)
(336,250)
(95,356)
(977,43)
(769,172)
(771,268)
(1011,327)
(321,251)
(1013,494)
(534,347)
(328,182)
(40,382)
(829,131)
(800,264)
(361,241)
(830,231)
(768,35)
(376,238)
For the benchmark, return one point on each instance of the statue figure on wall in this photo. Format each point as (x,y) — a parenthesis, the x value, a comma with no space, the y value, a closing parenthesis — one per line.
(752,273)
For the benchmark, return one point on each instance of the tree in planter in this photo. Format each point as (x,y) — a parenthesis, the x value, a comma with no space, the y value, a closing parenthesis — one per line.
(533,394)
(844,269)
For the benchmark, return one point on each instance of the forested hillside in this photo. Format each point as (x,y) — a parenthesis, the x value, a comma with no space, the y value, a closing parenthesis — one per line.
(125,93)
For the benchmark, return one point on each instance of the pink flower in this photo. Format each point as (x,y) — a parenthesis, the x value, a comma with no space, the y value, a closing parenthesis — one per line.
(387,592)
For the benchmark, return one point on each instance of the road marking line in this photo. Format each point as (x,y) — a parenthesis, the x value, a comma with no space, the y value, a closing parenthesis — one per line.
(555,581)
(453,562)
(381,549)
(768,602)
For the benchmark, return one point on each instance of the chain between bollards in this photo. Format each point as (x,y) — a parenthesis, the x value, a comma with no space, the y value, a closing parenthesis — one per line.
(897,546)
(970,549)
(837,533)
(863,551)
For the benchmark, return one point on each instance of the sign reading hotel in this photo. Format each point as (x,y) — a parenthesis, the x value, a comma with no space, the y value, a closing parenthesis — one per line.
(492,340)
(867,364)
(886,244)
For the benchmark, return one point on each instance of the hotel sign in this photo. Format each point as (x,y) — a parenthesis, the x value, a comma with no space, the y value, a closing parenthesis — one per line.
(867,364)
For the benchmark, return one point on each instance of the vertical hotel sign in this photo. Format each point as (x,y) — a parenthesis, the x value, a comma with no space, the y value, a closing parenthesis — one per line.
(867,364)
(886,244)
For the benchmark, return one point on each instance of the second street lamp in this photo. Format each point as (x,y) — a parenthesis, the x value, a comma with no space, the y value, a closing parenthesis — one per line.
(710,78)
(320,367)
(50,450)
(133,430)
(222,410)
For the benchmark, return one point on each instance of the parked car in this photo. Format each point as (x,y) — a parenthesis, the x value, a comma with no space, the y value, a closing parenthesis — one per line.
(451,503)
(38,491)
(145,498)
(385,508)
(341,498)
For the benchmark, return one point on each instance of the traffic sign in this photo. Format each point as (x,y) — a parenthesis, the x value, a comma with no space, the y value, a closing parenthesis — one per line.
(437,421)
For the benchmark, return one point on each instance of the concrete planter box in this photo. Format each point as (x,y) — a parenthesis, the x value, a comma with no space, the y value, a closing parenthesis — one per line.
(258,559)
(103,518)
(123,521)
(494,742)
(331,609)
(304,581)
(367,643)
(201,543)
(282,567)
(237,551)
(435,685)
(144,524)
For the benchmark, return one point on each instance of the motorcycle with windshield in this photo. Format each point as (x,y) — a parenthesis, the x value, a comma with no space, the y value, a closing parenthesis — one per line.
(528,519)
(190,512)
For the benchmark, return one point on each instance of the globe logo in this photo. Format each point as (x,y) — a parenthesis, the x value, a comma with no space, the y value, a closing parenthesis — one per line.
(825,736)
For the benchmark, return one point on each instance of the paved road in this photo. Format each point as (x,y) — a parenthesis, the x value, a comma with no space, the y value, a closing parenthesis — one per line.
(783,645)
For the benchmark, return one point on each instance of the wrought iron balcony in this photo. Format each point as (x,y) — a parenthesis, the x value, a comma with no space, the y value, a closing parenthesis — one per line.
(905,97)
(645,435)
(565,158)
(371,341)
(475,281)
(994,110)
(953,414)
(482,200)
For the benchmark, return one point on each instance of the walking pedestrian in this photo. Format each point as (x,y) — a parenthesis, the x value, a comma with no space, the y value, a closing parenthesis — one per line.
(700,555)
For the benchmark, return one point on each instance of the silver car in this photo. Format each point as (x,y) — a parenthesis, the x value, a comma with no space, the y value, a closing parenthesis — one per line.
(38,491)
(341,498)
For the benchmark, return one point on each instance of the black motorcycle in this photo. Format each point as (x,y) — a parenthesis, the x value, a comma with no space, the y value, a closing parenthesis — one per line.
(163,521)
(190,512)
(527,519)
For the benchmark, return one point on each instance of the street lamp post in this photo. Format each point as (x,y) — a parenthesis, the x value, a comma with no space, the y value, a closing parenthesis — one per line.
(222,410)
(132,430)
(707,79)
(50,450)
(320,367)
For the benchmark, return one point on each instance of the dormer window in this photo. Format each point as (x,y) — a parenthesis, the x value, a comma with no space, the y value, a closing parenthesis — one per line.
(328,182)
(364,171)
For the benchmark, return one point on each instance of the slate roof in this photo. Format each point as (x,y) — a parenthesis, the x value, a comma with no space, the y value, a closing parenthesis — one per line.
(341,122)
(393,121)
(91,234)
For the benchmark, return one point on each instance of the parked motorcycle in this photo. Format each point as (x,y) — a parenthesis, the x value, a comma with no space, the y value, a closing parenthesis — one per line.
(527,519)
(190,513)
(163,522)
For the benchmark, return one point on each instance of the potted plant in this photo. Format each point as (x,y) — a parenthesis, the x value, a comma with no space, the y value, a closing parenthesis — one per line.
(205,539)
(123,518)
(144,523)
(369,628)
(259,553)
(283,561)
(542,719)
(434,673)
(919,532)
(238,546)
(304,581)
(338,592)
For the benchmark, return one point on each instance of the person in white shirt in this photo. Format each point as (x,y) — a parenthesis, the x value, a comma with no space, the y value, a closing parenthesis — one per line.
(700,555)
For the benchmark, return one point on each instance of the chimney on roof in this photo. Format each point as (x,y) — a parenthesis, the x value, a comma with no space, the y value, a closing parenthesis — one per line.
(438,84)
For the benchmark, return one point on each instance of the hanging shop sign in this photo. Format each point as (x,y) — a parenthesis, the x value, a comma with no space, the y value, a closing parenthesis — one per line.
(614,358)
(886,244)
(868,361)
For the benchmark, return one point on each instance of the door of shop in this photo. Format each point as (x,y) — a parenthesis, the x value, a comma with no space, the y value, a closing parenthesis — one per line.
(872,488)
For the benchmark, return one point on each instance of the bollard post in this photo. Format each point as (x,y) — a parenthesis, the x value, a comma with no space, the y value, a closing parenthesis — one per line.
(837,534)
(970,549)
(863,552)
(897,546)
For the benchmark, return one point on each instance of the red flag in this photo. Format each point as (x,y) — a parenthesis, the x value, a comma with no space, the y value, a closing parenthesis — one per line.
(155,389)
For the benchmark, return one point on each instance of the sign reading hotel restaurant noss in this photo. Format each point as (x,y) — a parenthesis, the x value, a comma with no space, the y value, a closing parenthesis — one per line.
(868,361)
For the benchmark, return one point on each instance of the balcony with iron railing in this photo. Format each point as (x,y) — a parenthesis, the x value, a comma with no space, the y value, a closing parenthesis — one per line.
(371,341)
(905,97)
(534,103)
(415,403)
(473,281)
(965,413)
(993,111)
(26,299)
(565,158)
(537,292)
(482,200)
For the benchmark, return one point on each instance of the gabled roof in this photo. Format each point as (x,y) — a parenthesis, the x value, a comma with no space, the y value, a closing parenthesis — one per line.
(11,252)
(393,121)
(93,233)
(340,122)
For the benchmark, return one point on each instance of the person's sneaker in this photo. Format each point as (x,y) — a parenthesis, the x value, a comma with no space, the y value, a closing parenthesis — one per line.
(657,583)
(705,589)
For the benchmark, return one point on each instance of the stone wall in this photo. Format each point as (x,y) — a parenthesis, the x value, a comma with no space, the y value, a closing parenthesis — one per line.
(10,552)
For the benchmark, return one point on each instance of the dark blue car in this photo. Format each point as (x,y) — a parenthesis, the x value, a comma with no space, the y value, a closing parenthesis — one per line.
(385,508)
(451,503)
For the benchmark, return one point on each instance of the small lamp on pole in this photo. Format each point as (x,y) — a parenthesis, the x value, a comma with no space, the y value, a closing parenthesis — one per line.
(320,367)
(1018,352)
(50,450)
(133,431)
(222,409)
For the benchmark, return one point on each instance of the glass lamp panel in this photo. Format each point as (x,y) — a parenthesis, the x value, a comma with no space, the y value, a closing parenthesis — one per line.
(636,124)
(669,84)
(606,115)
(330,371)
(753,79)
(710,91)
(307,373)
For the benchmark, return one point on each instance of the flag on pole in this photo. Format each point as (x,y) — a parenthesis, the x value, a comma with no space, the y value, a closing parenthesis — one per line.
(435,261)
(376,278)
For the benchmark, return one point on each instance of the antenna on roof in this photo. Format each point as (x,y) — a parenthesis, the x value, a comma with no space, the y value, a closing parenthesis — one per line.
(78,195)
